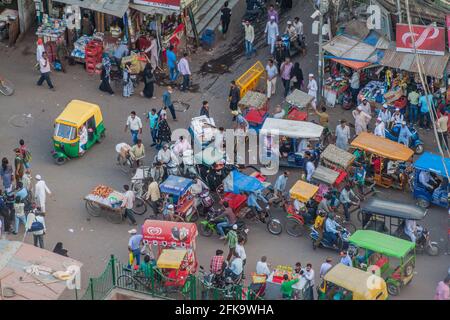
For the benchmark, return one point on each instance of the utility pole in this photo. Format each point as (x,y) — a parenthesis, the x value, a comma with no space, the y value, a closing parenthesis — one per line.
(323,8)
(399,11)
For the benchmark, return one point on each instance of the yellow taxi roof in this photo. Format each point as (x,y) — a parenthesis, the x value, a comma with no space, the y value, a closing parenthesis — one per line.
(78,112)
(382,147)
(171,258)
(352,279)
(303,191)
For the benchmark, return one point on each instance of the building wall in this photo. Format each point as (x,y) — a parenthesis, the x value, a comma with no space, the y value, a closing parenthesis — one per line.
(27,14)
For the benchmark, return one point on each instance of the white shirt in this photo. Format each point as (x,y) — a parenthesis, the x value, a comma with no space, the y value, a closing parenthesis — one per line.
(312,88)
(366,108)
(183,67)
(379,130)
(397,118)
(83,136)
(129,199)
(134,124)
(309,170)
(164,156)
(298,27)
(237,266)
(39,51)
(241,251)
(324,268)
(410,226)
(44,65)
(309,275)
(262,268)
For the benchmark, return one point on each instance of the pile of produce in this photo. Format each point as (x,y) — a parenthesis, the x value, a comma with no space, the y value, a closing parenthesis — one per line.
(102,191)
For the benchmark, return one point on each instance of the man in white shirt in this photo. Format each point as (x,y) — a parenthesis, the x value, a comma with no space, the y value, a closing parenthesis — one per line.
(183,68)
(308,274)
(40,191)
(128,204)
(354,86)
(312,89)
(298,25)
(83,139)
(365,106)
(153,50)
(181,146)
(262,267)
(236,267)
(38,235)
(134,123)
(165,154)
(410,229)
(379,128)
(279,113)
(310,168)
(425,178)
(240,250)
(397,117)
(44,67)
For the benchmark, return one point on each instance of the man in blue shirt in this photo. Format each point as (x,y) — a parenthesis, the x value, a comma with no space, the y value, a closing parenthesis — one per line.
(134,246)
(121,51)
(167,102)
(22,192)
(405,135)
(425,102)
(280,187)
(172,63)
(331,229)
(152,117)
(345,259)
(236,267)
(252,203)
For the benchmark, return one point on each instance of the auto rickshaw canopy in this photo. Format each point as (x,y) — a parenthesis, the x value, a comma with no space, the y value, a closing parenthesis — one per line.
(381,243)
(171,258)
(303,191)
(356,280)
(382,147)
(393,209)
(434,163)
(77,112)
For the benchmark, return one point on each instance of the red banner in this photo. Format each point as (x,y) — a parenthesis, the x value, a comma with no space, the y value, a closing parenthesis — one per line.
(448,30)
(167,4)
(426,39)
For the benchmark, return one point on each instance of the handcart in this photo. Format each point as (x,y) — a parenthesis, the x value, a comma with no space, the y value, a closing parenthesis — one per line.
(296,105)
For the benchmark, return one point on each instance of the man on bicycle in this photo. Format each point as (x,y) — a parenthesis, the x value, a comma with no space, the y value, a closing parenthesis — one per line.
(137,152)
(346,200)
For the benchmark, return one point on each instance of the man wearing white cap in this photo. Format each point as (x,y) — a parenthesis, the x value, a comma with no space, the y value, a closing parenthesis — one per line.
(385,115)
(40,191)
(272,33)
(361,120)
(404,135)
(134,246)
(397,117)
(312,89)
(291,31)
(365,105)
(379,128)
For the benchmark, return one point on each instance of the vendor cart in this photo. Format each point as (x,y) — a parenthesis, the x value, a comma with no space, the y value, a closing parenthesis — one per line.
(176,256)
(250,79)
(104,200)
(296,105)
(256,118)
(176,190)
(302,289)
(203,129)
(253,100)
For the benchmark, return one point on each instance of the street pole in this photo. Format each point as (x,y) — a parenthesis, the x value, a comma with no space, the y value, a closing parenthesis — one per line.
(399,11)
(320,65)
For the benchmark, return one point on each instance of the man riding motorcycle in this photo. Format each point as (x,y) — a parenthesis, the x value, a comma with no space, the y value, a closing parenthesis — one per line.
(331,232)
(197,188)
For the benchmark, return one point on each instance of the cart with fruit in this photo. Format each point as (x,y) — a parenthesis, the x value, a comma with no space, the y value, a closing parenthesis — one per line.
(104,200)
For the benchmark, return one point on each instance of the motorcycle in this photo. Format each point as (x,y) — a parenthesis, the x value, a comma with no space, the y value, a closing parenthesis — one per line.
(211,282)
(209,226)
(414,142)
(342,240)
(423,240)
(206,203)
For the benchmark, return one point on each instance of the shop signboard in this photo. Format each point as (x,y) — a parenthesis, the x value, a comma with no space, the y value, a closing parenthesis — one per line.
(427,39)
(166,4)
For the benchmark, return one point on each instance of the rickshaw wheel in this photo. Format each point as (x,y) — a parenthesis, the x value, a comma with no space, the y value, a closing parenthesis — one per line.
(409,270)
(419,149)
(60,161)
(423,203)
(92,209)
(178,218)
(114,217)
(359,216)
(432,250)
(139,207)
(274,227)
(294,228)
(393,289)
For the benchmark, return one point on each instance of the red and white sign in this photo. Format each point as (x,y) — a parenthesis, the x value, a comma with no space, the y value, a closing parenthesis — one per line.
(425,39)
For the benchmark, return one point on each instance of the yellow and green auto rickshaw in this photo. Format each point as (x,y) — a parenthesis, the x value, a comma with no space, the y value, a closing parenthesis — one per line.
(68,126)
(347,283)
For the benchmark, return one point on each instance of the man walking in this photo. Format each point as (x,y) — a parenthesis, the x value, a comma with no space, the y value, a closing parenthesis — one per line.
(413,99)
(40,191)
(280,187)
(183,68)
(167,102)
(442,128)
(225,18)
(249,38)
(285,70)
(354,87)
(234,96)
(204,111)
(325,267)
(172,63)
(134,123)
(44,67)
(152,117)
(128,204)
(134,247)
(312,89)
(342,135)
(153,195)
(272,33)
(272,73)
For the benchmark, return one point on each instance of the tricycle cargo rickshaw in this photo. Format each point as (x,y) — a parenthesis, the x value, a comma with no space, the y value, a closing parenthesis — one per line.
(388,161)
(392,258)
(68,128)
(430,165)
(289,133)
(347,283)
(390,217)
(176,190)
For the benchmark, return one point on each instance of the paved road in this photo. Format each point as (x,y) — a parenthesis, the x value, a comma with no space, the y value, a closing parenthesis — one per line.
(93,241)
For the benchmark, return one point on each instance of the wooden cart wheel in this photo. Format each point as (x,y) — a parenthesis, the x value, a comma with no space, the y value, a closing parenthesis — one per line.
(93,209)
(178,218)
(114,216)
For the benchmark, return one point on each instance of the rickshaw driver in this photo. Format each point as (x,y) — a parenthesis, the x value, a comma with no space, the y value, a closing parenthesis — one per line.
(411,229)
(331,230)
(164,155)
(137,152)
(324,204)
(425,178)
(83,133)
(235,269)
(285,148)
(157,172)
(197,188)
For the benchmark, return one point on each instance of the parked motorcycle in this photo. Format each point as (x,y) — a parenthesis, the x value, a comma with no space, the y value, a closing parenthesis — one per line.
(225,285)
(209,225)
(414,142)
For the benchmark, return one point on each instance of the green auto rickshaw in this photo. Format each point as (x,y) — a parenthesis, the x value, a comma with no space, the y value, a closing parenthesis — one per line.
(391,258)
(68,128)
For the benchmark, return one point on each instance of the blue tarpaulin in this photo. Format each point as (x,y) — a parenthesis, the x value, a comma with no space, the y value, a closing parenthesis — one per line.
(237,183)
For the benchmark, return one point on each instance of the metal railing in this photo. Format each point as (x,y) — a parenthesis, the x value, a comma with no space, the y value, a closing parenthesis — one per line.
(152,282)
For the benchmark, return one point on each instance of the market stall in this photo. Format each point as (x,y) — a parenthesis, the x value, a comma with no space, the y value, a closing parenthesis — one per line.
(302,289)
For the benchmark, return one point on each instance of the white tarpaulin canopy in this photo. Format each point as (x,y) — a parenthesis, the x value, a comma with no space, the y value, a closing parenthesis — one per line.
(291,128)
(113,7)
